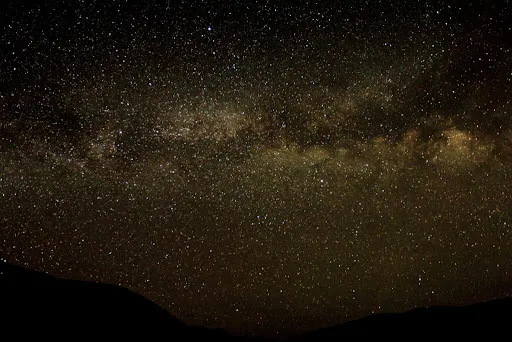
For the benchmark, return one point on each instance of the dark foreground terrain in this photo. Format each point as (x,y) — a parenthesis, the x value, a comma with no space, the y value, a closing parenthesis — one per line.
(38,305)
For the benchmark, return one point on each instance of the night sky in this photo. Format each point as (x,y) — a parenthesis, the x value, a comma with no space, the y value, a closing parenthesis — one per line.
(268,167)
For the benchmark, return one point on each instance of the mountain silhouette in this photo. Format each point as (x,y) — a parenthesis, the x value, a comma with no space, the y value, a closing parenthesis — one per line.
(34,304)
(492,318)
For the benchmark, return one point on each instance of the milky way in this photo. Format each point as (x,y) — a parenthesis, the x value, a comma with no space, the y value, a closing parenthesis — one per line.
(268,168)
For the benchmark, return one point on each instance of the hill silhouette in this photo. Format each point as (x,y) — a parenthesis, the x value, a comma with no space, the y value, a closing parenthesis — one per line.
(39,305)
(35,304)
(491,318)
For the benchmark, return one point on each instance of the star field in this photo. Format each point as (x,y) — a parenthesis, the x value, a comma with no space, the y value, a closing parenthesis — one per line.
(264,167)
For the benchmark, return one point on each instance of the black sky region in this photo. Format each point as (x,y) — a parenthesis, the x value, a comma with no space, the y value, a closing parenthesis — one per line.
(269,167)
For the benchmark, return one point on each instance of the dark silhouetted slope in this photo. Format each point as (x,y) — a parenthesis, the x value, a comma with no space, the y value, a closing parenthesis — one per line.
(38,305)
(492,318)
